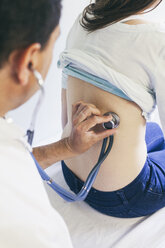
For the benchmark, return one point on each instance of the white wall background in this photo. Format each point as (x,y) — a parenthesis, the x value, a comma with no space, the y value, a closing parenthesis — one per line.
(48,126)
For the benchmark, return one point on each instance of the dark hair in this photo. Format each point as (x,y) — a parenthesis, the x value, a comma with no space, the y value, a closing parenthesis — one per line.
(105,12)
(24,22)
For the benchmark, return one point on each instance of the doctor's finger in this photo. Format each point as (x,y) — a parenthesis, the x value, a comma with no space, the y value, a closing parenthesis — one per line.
(93,121)
(86,112)
(75,107)
(78,106)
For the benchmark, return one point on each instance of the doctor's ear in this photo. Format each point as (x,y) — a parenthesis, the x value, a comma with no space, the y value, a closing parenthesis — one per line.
(23,60)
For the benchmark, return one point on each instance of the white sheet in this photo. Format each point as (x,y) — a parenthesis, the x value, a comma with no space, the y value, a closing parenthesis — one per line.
(88,228)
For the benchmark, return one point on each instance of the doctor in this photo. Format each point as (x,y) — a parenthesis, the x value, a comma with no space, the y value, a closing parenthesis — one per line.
(28,31)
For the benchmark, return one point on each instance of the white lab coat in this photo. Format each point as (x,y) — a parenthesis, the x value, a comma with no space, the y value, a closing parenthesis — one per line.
(26,217)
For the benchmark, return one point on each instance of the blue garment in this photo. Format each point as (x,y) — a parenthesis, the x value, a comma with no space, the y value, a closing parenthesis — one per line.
(144,195)
(94,80)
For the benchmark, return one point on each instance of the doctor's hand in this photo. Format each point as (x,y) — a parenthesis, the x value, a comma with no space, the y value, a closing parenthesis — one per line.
(84,134)
(86,131)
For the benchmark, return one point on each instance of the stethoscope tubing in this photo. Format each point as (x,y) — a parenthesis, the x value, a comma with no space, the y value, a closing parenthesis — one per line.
(68,196)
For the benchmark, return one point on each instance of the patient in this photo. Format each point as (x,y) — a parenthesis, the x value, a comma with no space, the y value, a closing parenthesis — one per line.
(115,60)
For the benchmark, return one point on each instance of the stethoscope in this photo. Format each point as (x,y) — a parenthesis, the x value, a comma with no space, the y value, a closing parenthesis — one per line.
(105,150)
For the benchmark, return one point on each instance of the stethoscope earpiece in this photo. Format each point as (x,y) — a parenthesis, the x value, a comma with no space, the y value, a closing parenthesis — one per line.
(113,123)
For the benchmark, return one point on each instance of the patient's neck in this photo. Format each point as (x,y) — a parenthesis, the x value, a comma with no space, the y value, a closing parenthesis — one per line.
(136,21)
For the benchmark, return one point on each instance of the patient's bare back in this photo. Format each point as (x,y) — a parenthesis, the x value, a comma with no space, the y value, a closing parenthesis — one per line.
(128,153)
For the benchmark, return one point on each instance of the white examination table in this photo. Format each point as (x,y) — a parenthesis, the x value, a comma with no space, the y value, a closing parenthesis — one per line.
(90,229)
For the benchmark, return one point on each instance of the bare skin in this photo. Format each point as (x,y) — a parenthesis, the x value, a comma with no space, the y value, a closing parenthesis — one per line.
(128,153)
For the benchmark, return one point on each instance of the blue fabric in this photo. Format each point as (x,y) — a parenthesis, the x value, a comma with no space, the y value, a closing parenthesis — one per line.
(143,196)
(94,80)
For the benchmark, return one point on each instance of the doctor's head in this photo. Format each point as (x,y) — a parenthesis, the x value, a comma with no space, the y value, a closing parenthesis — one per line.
(102,13)
(28,31)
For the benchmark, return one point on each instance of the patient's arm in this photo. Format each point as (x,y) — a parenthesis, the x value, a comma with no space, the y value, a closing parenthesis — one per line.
(160,89)
(64,108)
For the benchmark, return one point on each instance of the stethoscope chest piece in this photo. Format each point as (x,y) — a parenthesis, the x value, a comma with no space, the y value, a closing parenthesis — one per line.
(113,123)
